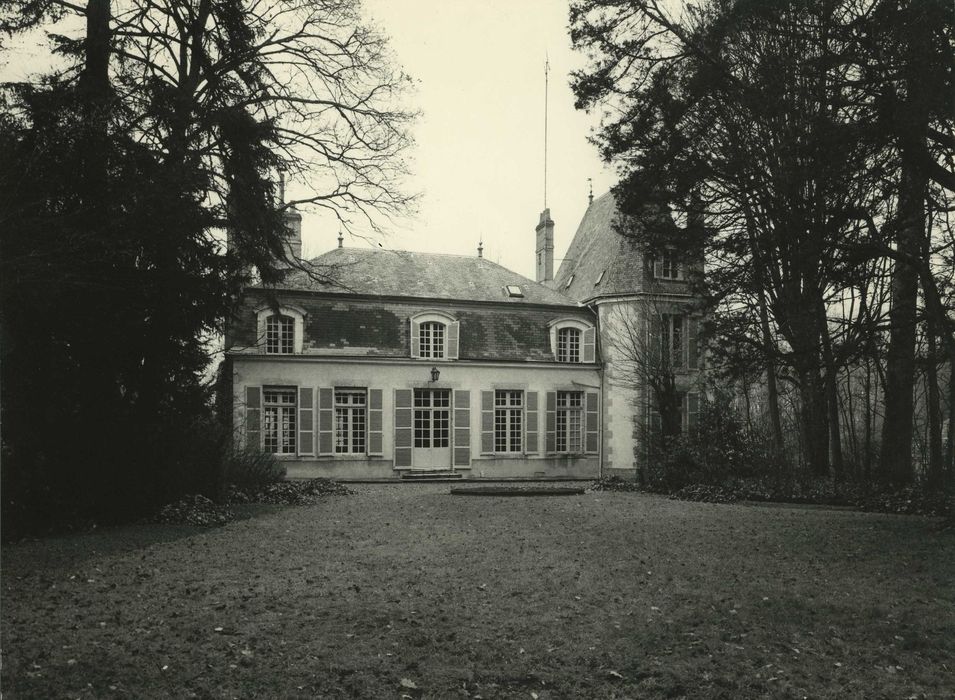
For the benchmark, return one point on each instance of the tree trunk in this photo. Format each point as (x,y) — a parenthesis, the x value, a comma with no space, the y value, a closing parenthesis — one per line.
(934,409)
(832,393)
(897,428)
(772,390)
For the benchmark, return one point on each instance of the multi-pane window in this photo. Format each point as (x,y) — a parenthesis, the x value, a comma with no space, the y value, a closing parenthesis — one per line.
(568,345)
(669,267)
(570,408)
(279,334)
(508,420)
(279,421)
(431,339)
(432,418)
(350,421)
(673,339)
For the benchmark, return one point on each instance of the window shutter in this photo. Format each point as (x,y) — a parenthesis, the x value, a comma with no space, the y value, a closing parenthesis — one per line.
(487,422)
(592,417)
(691,409)
(454,331)
(415,339)
(693,345)
(550,423)
(658,267)
(532,439)
(326,423)
(403,428)
(253,417)
(375,423)
(590,345)
(462,428)
(306,421)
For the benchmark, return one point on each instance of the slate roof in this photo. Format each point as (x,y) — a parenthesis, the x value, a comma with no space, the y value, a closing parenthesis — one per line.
(598,249)
(399,273)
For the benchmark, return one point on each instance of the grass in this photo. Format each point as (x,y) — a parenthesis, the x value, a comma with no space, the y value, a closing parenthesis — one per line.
(406,590)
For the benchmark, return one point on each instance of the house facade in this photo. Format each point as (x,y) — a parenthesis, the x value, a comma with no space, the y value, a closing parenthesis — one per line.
(414,363)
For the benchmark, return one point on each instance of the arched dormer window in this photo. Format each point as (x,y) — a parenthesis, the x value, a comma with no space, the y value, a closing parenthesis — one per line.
(568,344)
(279,334)
(280,330)
(573,341)
(434,336)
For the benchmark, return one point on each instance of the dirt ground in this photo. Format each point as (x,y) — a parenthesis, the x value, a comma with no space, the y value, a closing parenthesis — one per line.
(405,590)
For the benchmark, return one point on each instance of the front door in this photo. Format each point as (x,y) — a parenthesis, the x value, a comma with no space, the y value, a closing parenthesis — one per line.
(432,429)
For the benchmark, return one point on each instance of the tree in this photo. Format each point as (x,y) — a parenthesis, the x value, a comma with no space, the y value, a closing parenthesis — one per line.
(171,120)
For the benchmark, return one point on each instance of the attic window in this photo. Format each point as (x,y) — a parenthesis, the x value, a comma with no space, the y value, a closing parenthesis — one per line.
(601,278)
(570,281)
(514,290)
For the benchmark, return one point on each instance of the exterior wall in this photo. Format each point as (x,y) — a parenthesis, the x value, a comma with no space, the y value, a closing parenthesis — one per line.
(626,399)
(390,374)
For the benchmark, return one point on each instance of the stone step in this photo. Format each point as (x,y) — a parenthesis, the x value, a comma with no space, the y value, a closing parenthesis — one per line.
(429,475)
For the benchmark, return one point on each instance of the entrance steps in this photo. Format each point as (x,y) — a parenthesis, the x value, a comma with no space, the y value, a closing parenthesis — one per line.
(430,475)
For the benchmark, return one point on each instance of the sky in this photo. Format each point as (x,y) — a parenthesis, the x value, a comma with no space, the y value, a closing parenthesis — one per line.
(478,159)
(478,162)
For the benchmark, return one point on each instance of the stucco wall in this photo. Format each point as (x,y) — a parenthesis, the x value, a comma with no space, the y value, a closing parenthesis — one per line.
(388,375)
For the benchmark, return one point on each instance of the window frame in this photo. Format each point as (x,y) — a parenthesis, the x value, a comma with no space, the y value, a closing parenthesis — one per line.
(509,421)
(569,352)
(355,423)
(673,344)
(668,264)
(558,325)
(286,429)
(569,423)
(418,323)
(265,312)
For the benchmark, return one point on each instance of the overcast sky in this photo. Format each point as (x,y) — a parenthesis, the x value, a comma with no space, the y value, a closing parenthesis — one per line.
(478,162)
(479,157)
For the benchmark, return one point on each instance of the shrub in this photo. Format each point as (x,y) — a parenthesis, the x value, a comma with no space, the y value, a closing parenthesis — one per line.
(251,467)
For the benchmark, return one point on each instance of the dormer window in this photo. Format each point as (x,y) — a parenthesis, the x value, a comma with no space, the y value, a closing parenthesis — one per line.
(431,339)
(572,340)
(568,345)
(434,336)
(279,334)
(280,330)
(667,267)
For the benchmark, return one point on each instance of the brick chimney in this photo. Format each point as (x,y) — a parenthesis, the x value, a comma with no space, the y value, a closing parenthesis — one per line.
(545,247)
(293,238)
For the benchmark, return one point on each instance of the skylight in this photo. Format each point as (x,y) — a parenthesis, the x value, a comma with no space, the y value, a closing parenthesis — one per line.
(514,290)
(600,279)
(570,281)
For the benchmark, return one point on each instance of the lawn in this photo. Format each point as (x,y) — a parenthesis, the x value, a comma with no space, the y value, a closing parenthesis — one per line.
(406,590)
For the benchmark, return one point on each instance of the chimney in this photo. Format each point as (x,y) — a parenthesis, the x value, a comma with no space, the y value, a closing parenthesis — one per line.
(293,236)
(480,249)
(545,247)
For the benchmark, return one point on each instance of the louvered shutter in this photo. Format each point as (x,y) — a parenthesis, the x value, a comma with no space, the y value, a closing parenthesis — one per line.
(658,267)
(454,332)
(326,423)
(306,421)
(550,423)
(487,422)
(691,408)
(532,439)
(375,423)
(462,428)
(253,417)
(592,422)
(403,428)
(590,344)
(415,339)
(693,345)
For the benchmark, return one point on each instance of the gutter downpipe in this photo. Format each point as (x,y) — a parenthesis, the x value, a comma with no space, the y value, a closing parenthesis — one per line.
(603,397)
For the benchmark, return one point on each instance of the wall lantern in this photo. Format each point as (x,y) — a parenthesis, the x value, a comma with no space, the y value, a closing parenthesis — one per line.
(435,374)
